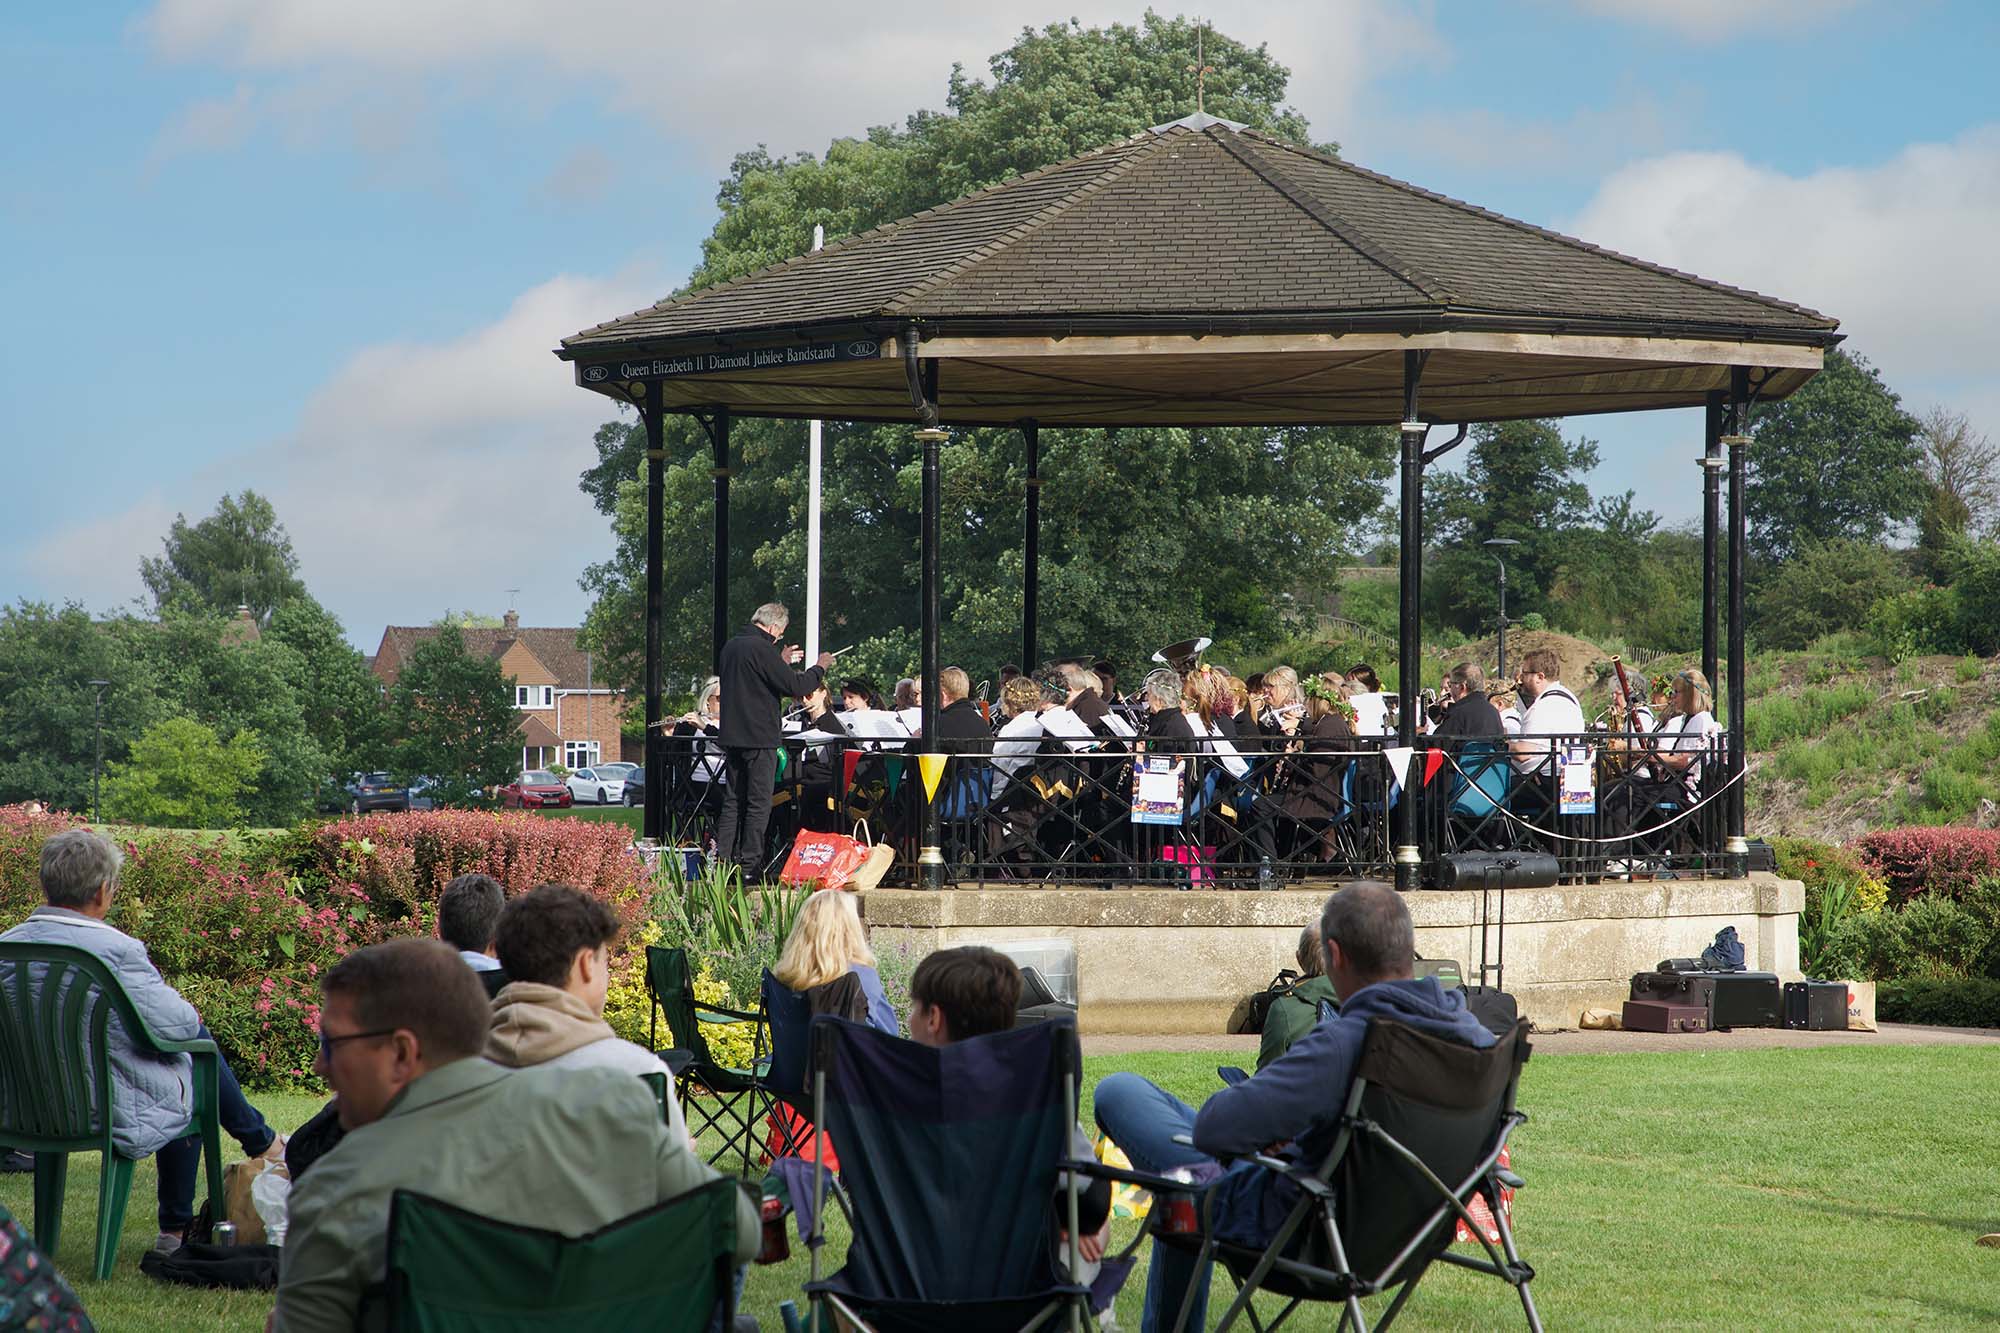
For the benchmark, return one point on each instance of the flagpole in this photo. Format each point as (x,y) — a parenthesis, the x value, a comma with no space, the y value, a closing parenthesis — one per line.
(812,513)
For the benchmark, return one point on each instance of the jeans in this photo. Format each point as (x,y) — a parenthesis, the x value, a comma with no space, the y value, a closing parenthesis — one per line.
(746,808)
(1143,1120)
(180,1161)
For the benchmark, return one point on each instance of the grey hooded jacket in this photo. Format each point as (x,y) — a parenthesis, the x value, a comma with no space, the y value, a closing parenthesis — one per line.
(154,1094)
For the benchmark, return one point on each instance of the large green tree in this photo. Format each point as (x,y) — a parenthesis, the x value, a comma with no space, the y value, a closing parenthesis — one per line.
(179,775)
(1147,535)
(48,734)
(341,698)
(1838,459)
(453,717)
(238,556)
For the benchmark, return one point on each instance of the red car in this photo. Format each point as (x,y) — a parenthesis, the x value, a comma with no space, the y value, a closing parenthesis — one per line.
(537,788)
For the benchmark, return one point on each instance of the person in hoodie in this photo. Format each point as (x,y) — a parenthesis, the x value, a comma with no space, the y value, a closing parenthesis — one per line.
(1291,1105)
(554,944)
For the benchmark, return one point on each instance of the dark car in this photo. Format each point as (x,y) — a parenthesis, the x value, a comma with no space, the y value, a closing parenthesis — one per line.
(376,791)
(635,787)
(536,788)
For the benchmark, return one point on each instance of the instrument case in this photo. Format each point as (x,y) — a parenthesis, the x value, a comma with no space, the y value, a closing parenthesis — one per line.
(1733,999)
(1816,1006)
(1664,1016)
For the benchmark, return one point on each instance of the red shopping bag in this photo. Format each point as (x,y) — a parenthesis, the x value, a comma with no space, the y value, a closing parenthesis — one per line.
(1484,1215)
(826,859)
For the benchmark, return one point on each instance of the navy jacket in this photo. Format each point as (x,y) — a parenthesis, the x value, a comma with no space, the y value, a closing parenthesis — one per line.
(1300,1095)
(755,684)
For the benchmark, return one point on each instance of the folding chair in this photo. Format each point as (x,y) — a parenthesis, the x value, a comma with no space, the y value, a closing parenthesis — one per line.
(56,1088)
(951,1157)
(668,1268)
(1420,1135)
(734,1112)
(1479,789)
(790,1017)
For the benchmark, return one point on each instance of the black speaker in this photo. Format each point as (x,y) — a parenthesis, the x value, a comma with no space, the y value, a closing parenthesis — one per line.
(1498,870)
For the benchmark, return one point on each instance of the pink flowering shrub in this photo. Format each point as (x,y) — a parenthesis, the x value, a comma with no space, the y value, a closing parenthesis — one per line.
(245,932)
(1943,861)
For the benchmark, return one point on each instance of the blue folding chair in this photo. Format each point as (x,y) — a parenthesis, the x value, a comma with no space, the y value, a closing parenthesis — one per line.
(951,1157)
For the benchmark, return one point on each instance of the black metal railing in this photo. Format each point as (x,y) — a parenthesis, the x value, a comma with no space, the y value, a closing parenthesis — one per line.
(1113,811)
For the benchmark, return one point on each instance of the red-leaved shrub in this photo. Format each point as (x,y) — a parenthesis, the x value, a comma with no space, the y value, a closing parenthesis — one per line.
(1945,861)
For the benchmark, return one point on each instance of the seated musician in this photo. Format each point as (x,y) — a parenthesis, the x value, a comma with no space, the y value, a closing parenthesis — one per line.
(1680,752)
(960,727)
(1020,736)
(1371,706)
(1308,789)
(1471,713)
(821,773)
(1107,681)
(858,696)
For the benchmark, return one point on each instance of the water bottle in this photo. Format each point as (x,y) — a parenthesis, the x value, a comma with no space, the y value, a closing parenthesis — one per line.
(1267,878)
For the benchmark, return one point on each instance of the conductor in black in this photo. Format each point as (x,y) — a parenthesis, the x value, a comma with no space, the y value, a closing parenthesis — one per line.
(757,677)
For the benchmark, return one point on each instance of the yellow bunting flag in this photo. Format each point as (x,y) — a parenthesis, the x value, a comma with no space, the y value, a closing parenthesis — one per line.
(932,767)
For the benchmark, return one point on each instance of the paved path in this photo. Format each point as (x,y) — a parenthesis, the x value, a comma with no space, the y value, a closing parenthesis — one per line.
(1605,1043)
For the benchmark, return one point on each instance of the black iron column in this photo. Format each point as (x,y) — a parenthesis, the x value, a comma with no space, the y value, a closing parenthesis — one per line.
(1031,546)
(1409,639)
(931,858)
(718,433)
(1711,526)
(654,825)
(1738,441)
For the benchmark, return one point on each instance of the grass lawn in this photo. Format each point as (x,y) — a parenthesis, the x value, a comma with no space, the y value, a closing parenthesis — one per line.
(632,817)
(1830,1188)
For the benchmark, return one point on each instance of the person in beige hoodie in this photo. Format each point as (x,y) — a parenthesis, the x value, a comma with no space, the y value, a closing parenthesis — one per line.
(554,943)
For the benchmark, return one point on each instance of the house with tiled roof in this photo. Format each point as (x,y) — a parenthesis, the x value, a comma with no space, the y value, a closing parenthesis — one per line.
(568,715)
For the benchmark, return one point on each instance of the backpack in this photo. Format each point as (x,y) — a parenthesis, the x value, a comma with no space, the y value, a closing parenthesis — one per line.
(1261,1002)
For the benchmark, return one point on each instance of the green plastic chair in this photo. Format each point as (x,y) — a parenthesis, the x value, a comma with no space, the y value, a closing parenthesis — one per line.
(666,1269)
(739,1093)
(56,1087)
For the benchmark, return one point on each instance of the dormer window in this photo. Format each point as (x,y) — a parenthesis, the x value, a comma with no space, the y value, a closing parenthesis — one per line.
(534,696)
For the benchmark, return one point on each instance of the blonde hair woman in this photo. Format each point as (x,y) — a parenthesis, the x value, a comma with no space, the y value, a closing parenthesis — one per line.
(827,959)
(1697,732)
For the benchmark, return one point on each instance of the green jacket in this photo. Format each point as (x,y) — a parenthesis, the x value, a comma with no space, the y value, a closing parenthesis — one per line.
(567,1150)
(1291,1016)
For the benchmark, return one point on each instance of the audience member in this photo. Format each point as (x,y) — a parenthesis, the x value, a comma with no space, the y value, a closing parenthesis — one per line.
(468,910)
(1296,1100)
(827,959)
(1294,1012)
(153,1097)
(555,944)
(569,1150)
(971,991)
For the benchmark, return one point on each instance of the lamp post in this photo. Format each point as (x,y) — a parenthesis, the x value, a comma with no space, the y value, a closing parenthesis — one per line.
(97,763)
(1499,545)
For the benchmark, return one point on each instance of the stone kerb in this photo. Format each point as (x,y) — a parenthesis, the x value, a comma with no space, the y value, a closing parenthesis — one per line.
(1165,961)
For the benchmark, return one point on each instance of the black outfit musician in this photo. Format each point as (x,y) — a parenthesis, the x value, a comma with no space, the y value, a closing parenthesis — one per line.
(958,722)
(1472,715)
(756,680)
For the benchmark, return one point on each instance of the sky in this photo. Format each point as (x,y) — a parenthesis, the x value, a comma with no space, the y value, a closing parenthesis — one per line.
(322,248)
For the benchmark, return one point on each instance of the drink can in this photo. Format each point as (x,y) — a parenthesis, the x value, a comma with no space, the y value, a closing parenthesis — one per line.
(1178,1213)
(224,1233)
(776,1246)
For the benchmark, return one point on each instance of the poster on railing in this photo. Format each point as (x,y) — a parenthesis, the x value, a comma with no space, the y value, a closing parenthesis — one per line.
(1157,789)
(1579,781)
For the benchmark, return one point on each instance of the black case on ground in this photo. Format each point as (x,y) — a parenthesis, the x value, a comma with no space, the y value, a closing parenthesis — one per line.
(1733,999)
(1493,1007)
(1816,1006)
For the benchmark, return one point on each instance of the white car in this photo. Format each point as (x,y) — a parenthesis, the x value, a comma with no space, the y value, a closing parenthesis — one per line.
(598,786)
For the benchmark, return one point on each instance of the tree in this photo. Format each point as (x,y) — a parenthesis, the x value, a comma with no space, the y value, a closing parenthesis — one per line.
(48,657)
(1147,535)
(238,556)
(1962,465)
(180,775)
(340,697)
(453,714)
(1827,587)
(1521,483)
(1838,459)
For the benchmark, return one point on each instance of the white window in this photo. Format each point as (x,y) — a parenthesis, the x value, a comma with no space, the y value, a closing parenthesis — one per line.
(579,754)
(534,696)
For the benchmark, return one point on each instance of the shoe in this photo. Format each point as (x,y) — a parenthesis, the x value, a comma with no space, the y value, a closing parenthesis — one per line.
(17,1163)
(1991,1240)
(167,1242)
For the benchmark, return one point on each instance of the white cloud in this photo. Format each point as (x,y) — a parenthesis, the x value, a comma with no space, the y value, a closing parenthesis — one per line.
(1714,20)
(206,126)
(1486,141)
(788,73)
(419,477)
(1898,251)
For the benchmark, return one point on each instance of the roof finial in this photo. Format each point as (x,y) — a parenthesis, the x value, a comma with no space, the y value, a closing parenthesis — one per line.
(1200,68)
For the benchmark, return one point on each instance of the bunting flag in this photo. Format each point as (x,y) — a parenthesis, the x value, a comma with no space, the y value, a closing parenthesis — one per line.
(849,761)
(932,768)
(1399,762)
(1433,761)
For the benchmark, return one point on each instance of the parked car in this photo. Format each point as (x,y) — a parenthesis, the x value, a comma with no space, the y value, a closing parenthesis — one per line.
(423,793)
(635,786)
(376,791)
(597,786)
(535,788)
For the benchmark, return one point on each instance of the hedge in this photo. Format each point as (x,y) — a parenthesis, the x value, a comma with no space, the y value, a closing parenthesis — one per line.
(1966,1002)
(1931,860)
(244,929)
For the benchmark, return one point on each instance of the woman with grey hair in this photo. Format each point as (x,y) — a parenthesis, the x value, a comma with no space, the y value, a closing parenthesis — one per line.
(152,1098)
(1164,719)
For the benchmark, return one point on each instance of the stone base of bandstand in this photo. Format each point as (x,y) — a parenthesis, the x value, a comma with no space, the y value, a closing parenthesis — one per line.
(1184,962)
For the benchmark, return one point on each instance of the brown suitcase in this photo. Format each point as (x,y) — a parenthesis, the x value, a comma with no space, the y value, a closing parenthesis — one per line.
(1665,1016)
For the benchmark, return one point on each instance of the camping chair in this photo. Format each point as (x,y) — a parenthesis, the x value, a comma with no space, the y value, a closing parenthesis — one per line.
(951,1159)
(56,1085)
(961,807)
(1422,1132)
(1479,789)
(668,1268)
(734,1116)
(790,1017)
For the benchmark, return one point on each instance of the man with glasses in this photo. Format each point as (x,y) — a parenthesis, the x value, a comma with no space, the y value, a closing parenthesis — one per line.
(568,1150)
